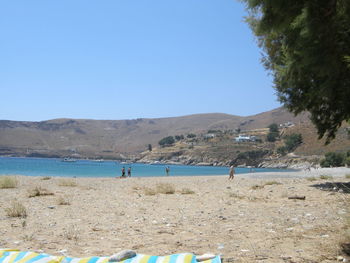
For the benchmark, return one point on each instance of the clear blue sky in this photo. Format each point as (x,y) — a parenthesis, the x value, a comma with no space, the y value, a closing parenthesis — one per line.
(125,59)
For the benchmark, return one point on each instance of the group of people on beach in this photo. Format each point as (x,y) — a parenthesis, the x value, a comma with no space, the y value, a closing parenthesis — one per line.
(123,172)
(167,171)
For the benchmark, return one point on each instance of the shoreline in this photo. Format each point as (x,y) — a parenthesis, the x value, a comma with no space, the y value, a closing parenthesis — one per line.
(278,163)
(334,172)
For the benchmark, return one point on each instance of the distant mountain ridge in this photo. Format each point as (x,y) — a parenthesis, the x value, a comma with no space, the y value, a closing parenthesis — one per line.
(115,138)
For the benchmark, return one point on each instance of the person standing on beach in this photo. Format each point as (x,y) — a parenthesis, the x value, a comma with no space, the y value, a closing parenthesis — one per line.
(232,173)
(123,172)
(167,170)
(129,172)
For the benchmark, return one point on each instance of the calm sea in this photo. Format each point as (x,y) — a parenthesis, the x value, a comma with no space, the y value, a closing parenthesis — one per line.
(86,168)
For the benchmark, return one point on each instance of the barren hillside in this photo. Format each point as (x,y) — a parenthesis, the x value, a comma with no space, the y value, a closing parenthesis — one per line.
(115,138)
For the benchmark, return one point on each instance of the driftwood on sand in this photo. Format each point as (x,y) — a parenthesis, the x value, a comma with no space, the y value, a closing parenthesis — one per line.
(297,197)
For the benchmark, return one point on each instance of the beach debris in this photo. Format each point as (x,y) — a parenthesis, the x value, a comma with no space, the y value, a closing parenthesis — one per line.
(122,255)
(221,246)
(342,212)
(51,207)
(205,257)
(63,252)
(261,257)
(297,197)
(284,257)
(228,260)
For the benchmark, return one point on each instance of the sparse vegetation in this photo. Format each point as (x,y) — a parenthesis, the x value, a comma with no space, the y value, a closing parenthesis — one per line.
(257,186)
(28,237)
(8,182)
(46,178)
(165,188)
(63,201)
(187,191)
(16,210)
(38,191)
(311,179)
(67,182)
(347,176)
(236,195)
(72,233)
(272,183)
(326,177)
(149,191)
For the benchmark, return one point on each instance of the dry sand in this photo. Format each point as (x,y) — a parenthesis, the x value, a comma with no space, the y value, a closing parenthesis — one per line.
(246,220)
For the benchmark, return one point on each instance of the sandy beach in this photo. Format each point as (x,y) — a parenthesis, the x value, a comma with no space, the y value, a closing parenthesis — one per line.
(249,219)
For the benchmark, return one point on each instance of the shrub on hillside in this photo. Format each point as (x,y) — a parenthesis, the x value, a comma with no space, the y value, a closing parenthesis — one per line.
(167,141)
(293,141)
(179,137)
(347,161)
(333,159)
(191,135)
(271,137)
(214,131)
(273,132)
(282,150)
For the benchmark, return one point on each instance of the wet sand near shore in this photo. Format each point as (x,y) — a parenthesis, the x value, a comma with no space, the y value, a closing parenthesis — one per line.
(245,220)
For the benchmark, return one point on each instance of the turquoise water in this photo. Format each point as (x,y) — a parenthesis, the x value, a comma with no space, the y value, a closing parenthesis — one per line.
(86,168)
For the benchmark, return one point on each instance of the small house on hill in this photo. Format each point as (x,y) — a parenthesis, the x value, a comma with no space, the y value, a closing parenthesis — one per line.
(209,135)
(245,138)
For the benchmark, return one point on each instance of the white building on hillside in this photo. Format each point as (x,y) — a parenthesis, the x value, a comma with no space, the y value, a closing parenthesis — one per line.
(245,138)
(209,135)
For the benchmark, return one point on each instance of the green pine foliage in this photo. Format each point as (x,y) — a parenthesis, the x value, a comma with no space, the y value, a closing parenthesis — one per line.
(306,45)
